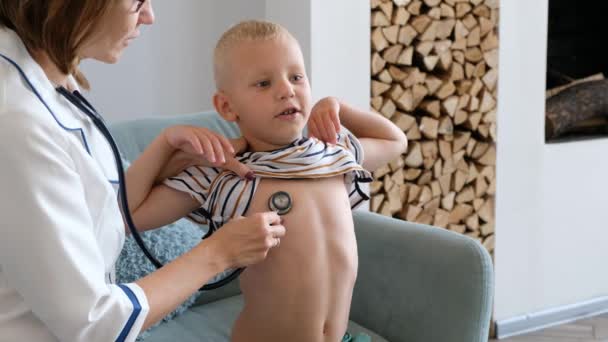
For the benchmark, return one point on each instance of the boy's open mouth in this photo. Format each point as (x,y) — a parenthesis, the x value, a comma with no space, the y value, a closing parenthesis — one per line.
(292,111)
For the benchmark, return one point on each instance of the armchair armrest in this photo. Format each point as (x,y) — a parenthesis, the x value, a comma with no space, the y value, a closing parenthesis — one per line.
(419,283)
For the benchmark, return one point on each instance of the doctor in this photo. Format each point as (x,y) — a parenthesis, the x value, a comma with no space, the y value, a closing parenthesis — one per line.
(61,228)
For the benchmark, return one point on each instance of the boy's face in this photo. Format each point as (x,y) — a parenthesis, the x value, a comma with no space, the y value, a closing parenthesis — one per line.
(267,92)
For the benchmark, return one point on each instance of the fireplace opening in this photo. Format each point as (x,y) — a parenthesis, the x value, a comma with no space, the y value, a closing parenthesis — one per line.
(577,67)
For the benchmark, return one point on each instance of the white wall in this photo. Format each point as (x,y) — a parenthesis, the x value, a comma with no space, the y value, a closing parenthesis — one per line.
(168,69)
(551,211)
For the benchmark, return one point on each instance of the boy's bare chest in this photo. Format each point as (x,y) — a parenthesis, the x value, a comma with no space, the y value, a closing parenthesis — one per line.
(304,195)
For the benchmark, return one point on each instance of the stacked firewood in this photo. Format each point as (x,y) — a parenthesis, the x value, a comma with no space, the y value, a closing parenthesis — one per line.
(434,66)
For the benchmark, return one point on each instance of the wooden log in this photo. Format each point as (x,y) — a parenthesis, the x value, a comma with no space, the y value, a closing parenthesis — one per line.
(486,229)
(376,202)
(434,13)
(426,178)
(470,22)
(381,171)
(432,107)
(431,32)
(414,193)
(375,187)
(377,102)
(421,23)
(424,48)
(486,26)
(377,63)
(450,105)
(491,58)
(482,11)
(406,35)
(472,222)
(411,174)
(429,127)
(490,42)
(414,155)
(446,126)
(406,56)
(460,32)
(403,121)
(575,104)
(445,60)
(441,218)
(401,3)
(388,109)
(379,19)
(385,77)
(378,88)
(432,3)
(489,243)
(433,84)
(460,179)
(486,212)
(447,89)
(480,69)
(474,37)
(460,212)
(447,11)
(414,7)
(401,16)
(462,9)
(556,90)
(445,28)
(473,54)
(387,8)
(391,54)
(413,133)
(447,202)
(379,42)
(457,228)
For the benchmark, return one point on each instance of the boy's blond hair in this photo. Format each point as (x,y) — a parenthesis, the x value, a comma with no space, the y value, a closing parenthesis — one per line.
(245,31)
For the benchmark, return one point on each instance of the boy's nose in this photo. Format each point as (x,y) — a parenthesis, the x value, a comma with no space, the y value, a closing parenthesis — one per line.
(286,91)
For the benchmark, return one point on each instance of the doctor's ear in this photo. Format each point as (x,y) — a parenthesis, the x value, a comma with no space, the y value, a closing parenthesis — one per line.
(223,107)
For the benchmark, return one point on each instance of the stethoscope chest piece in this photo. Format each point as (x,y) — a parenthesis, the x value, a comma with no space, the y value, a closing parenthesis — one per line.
(280,202)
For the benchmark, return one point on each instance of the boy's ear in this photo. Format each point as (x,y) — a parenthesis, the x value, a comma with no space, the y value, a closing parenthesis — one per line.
(223,107)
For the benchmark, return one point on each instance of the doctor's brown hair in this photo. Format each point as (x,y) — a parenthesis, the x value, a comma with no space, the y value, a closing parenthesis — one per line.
(59,27)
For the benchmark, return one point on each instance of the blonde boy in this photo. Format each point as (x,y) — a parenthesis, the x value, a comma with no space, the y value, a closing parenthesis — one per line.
(302,291)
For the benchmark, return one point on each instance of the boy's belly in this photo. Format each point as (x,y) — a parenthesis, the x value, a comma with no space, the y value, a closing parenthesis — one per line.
(303,290)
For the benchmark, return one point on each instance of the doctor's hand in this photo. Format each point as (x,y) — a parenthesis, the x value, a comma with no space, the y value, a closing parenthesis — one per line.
(245,241)
(201,146)
(324,122)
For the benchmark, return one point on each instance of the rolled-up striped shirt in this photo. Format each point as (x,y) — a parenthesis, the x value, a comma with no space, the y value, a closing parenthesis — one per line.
(223,195)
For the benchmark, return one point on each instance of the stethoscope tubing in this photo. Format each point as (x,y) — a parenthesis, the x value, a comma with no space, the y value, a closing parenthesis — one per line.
(81,103)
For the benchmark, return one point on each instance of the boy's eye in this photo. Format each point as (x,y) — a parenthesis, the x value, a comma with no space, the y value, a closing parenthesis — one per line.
(262,84)
(297,78)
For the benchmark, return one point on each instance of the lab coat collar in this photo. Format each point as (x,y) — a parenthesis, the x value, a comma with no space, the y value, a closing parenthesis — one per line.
(67,116)
(12,47)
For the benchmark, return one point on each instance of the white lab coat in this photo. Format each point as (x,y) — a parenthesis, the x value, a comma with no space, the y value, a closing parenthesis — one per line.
(60,226)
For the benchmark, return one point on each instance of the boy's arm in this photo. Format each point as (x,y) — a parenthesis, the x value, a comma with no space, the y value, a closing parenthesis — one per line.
(162,159)
(382,141)
(162,206)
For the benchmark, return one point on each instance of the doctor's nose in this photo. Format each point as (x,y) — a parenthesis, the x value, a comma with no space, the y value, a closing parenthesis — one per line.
(146,14)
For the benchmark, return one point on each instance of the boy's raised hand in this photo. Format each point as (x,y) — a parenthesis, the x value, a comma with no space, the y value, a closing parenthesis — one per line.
(324,121)
(201,146)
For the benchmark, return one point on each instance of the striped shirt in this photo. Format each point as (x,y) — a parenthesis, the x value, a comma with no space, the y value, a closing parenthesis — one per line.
(223,195)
